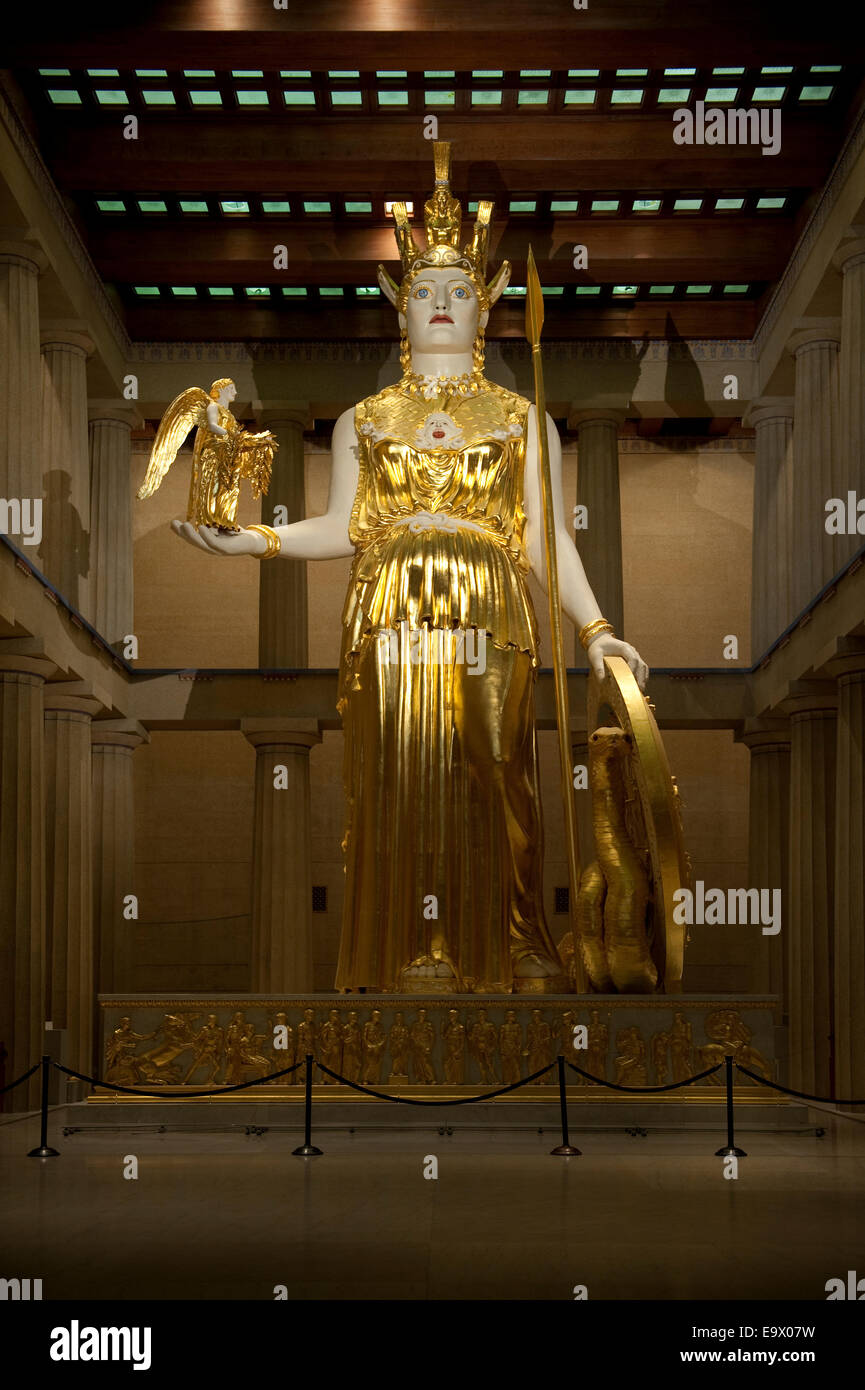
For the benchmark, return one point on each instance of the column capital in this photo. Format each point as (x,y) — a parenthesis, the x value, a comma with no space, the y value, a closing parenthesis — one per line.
(581,414)
(118,733)
(764,733)
(25,656)
(286,733)
(851,250)
(809,697)
(848,660)
(764,408)
(20,244)
(270,413)
(116,410)
(66,334)
(808,332)
(73,697)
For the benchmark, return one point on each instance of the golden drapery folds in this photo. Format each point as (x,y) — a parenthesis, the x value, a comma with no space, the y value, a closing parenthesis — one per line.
(444,841)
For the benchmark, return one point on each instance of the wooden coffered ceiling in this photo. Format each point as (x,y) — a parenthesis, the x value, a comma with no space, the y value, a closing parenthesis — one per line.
(261,127)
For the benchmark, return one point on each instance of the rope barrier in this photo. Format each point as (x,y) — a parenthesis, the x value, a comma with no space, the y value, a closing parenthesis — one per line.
(647,1090)
(800,1095)
(463,1100)
(25,1077)
(176,1095)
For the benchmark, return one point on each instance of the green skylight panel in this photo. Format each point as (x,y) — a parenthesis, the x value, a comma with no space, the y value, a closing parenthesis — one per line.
(735,289)
(488,72)
(687,204)
(206,98)
(158,98)
(103,72)
(698,289)
(626,96)
(367,291)
(110,205)
(588,289)
(199,72)
(247,72)
(346,99)
(646,205)
(553,289)
(187,291)
(491,98)
(221,291)
(392,74)
(563,205)
(346,73)
(252,98)
(513,291)
(721,93)
(331,291)
(309,206)
(818,67)
(632,72)
(680,72)
(257,291)
(299,98)
(625,291)
(147,291)
(728,72)
(816,93)
(275,205)
(440,74)
(674,94)
(768,93)
(536,72)
(662,289)
(64,96)
(523,205)
(440,98)
(193,205)
(394,98)
(358,207)
(770,204)
(605,205)
(65,72)
(294,291)
(152,205)
(729,204)
(285,72)
(111,96)
(533,98)
(576,96)
(773,72)
(151,72)
(234,206)
(584,72)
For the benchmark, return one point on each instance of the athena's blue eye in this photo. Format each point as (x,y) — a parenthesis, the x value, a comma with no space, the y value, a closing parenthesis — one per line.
(461,292)
(421,293)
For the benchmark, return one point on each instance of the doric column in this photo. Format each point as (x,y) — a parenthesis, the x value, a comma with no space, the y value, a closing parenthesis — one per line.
(768,741)
(65,550)
(282,955)
(850,260)
(814,345)
(282,606)
(849,954)
(69,709)
(22,865)
(600,545)
(113,743)
(20,372)
(771,605)
(811,706)
(111,425)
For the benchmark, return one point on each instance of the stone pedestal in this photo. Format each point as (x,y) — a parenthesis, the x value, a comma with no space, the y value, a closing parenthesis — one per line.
(771,592)
(20,372)
(810,900)
(815,555)
(111,425)
(282,956)
(69,868)
(768,741)
(22,866)
(282,593)
(113,744)
(600,546)
(65,549)
(850,260)
(849,943)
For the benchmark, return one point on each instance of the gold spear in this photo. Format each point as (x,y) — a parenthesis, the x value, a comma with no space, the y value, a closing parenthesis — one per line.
(534,324)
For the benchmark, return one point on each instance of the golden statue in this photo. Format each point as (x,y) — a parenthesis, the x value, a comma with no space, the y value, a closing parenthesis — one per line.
(223,454)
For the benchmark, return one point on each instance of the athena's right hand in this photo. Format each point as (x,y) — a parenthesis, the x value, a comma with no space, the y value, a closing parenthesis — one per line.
(220,542)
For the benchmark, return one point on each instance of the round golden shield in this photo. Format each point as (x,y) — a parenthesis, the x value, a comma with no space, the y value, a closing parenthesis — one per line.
(657,820)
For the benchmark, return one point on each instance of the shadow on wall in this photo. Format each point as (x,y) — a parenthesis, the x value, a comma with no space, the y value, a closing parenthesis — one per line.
(683,383)
(64,551)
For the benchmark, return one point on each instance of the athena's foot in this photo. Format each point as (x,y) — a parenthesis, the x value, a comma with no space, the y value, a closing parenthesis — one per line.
(426,968)
(535,968)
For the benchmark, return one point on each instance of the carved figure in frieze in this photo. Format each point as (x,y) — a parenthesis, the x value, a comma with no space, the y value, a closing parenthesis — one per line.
(510,1047)
(631,1067)
(374,1041)
(482,1043)
(422,1039)
(122,1066)
(681,1046)
(352,1043)
(598,1038)
(331,1045)
(730,1036)
(207,1046)
(454,1038)
(174,1036)
(397,1041)
(660,1050)
(539,1046)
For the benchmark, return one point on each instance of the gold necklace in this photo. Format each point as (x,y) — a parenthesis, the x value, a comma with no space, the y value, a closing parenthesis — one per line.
(428,387)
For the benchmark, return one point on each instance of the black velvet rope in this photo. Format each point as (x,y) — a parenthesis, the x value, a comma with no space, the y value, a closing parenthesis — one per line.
(463,1100)
(647,1090)
(800,1095)
(13,1084)
(176,1095)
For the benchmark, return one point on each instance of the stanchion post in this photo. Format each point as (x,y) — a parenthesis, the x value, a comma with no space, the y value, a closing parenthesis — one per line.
(307,1148)
(566,1148)
(730,1151)
(44,1151)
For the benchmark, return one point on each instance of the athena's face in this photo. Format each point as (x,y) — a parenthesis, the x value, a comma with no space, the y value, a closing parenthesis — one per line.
(442,314)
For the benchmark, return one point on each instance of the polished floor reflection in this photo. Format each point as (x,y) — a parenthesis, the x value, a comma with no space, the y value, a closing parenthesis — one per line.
(231,1216)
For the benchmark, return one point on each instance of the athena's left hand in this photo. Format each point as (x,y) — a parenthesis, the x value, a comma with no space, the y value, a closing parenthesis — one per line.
(608,645)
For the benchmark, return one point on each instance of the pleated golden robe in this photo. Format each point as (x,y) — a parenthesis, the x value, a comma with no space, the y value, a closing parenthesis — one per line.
(443,843)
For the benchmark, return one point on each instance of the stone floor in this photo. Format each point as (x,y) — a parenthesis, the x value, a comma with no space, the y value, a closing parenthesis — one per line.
(226,1215)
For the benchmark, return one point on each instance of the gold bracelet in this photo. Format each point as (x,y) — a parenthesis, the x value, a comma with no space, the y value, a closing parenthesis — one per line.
(271,538)
(592,630)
